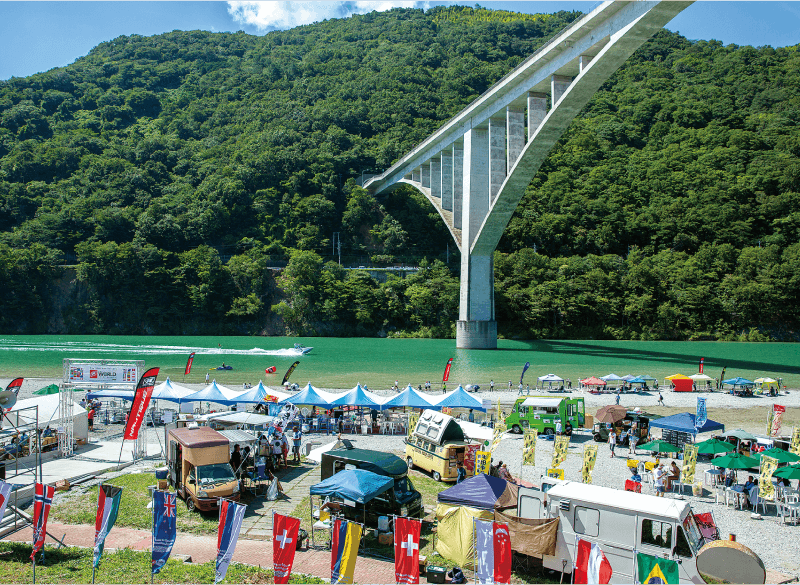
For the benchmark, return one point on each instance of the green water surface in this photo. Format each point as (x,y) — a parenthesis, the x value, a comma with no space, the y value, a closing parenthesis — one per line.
(343,362)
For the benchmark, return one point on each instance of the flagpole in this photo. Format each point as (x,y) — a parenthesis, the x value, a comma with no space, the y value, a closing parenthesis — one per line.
(34,568)
(153,530)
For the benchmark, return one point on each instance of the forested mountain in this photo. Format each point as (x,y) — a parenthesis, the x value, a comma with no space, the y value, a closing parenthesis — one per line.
(173,171)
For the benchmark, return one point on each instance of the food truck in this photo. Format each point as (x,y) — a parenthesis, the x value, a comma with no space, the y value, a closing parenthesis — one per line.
(622,523)
(199,469)
(542,412)
(437,444)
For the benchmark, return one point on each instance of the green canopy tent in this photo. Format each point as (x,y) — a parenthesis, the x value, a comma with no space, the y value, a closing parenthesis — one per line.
(47,390)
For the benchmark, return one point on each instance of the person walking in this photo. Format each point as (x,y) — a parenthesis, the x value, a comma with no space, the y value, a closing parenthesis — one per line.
(569,384)
(661,399)
(207,377)
(90,418)
(520,389)
(509,385)
(297,438)
(612,441)
(617,398)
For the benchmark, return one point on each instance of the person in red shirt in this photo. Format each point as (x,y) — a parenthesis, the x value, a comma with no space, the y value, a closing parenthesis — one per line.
(90,417)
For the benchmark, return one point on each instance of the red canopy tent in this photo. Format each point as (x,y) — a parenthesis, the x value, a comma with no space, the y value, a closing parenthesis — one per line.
(683,385)
(593,381)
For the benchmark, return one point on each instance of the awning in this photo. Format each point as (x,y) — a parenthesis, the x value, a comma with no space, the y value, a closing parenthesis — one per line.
(542,402)
(355,485)
(684,422)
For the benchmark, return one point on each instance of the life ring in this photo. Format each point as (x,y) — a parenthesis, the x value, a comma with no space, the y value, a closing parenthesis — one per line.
(270,370)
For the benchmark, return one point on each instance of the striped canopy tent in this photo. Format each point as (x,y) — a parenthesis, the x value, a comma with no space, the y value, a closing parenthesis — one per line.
(458,398)
(310,396)
(359,397)
(214,393)
(593,381)
(258,394)
(408,397)
(170,392)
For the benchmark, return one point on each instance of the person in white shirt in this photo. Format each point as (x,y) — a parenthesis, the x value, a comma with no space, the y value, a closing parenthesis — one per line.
(558,427)
(612,441)
(658,477)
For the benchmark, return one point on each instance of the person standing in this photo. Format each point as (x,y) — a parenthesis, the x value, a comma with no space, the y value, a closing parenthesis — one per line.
(521,387)
(509,385)
(658,479)
(462,473)
(236,460)
(569,384)
(297,438)
(634,438)
(471,416)
(617,398)
(444,387)
(207,377)
(491,386)
(558,427)
(612,441)
(90,418)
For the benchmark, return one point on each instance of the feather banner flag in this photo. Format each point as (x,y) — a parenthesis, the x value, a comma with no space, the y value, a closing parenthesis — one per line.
(446,376)
(701,364)
(107,510)
(141,400)
(289,372)
(165,516)
(524,369)
(42,501)
(188,369)
(231,515)
(344,550)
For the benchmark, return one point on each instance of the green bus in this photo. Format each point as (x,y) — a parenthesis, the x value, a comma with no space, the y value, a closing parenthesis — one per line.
(542,413)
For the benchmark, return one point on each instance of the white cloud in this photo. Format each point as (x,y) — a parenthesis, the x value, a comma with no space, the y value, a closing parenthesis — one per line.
(271,15)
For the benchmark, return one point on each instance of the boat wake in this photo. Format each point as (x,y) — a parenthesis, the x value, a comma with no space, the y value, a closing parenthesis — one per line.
(121,350)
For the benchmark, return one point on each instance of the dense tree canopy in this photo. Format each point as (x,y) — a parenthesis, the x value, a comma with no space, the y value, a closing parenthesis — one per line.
(178,171)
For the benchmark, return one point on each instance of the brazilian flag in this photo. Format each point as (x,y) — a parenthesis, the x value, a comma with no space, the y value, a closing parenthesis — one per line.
(655,570)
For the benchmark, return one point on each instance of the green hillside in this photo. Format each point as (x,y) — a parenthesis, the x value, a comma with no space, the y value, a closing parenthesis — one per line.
(174,171)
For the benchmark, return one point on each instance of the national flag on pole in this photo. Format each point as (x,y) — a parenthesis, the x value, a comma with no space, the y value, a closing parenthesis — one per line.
(591,565)
(344,550)
(524,369)
(777,419)
(42,500)
(407,533)
(165,516)
(446,376)
(284,545)
(650,569)
(189,364)
(493,550)
(701,364)
(230,522)
(107,510)
(5,491)
(141,400)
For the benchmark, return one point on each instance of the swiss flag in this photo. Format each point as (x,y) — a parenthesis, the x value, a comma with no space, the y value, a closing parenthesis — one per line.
(406,550)
(284,545)
(502,553)
(591,565)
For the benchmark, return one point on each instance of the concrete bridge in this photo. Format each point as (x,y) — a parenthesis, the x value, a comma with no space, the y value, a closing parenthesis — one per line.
(474,170)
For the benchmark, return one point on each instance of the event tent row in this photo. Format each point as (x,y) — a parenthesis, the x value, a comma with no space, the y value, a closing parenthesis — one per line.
(310,396)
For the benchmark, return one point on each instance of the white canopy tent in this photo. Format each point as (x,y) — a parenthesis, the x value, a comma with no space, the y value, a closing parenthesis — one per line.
(49,414)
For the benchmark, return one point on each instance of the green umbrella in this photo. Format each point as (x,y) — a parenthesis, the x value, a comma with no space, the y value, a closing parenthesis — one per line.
(51,389)
(735,461)
(788,472)
(659,446)
(714,446)
(781,455)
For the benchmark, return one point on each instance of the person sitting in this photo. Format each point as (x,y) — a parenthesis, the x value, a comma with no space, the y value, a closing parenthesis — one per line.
(674,474)
(503,473)
(730,478)
(635,475)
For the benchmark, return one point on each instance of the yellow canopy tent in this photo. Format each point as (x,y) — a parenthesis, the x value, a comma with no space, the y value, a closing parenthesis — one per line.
(676,377)
(455,532)
(766,382)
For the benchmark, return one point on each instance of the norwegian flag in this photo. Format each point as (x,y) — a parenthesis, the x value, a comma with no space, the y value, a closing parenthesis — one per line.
(41,508)
(406,550)
(591,565)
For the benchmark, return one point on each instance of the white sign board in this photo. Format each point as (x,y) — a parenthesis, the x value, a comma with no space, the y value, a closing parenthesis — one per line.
(88,373)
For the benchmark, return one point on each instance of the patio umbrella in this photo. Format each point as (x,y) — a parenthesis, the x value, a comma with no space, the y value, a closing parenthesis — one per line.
(788,472)
(735,461)
(610,414)
(781,455)
(715,446)
(659,446)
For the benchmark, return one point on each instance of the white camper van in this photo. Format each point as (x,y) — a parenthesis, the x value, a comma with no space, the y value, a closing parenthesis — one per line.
(620,522)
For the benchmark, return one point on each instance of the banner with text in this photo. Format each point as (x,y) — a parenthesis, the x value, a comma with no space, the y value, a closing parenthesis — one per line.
(529,449)
(689,463)
(483,462)
(91,374)
(766,490)
(589,459)
(795,445)
(777,419)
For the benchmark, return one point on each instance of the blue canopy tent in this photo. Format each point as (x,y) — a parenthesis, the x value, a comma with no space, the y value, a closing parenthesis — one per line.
(408,397)
(100,394)
(309,396)
(480,491)
(738,382)
(170,392)
(354,485)
(637,380)
(213,393)
(359,397)
(458,398)
(684,423)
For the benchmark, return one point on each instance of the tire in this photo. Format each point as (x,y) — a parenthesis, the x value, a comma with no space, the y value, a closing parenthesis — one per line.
(410,462)
(437,476)
(568,430)
(598,438)
(190,504)
(549,431)
(517,429)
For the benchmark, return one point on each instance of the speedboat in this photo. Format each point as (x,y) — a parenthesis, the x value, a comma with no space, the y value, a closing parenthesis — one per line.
(301,349)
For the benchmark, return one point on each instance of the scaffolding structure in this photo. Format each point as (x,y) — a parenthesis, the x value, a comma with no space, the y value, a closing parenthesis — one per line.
(22,426)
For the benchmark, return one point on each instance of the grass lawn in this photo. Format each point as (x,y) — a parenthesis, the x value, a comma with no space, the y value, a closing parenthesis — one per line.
(133,511)
(74,565)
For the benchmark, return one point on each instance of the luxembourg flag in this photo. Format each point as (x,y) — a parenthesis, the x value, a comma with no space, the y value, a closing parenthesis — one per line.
(591,565)
(230,523)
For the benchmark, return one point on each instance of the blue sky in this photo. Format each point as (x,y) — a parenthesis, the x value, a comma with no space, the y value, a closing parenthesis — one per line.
(37,36)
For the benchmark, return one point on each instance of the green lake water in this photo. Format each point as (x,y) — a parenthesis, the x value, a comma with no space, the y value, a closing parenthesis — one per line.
(343,362)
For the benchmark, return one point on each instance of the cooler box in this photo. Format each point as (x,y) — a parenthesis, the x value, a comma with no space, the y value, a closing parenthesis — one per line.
(436,574)
(161,473)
